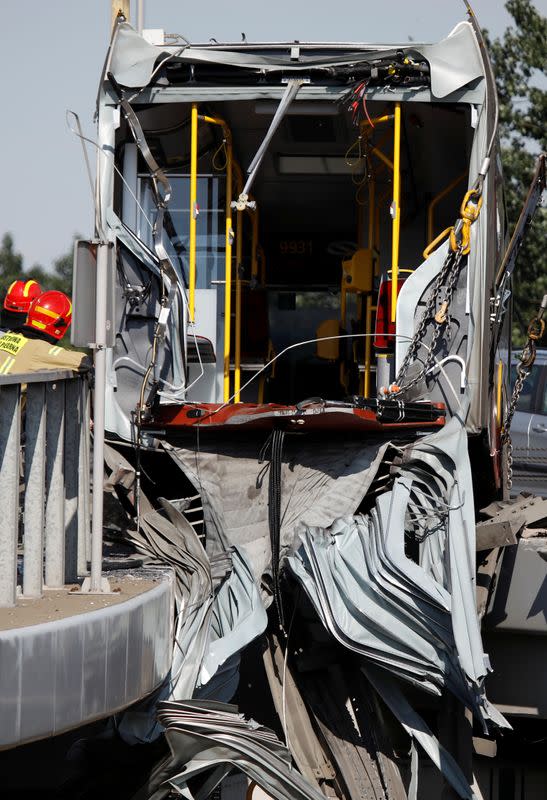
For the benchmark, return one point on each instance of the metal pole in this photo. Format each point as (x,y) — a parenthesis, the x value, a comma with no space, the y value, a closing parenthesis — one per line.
(35,476)
(84,519)
(10,415)
(396,210)
(228,275)
(119,7)
(193,212)
(73,422)
(96,583)
(55,485)
(140,16)
(239,267)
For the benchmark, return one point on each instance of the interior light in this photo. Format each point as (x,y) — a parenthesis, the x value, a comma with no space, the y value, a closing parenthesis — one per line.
(318,165)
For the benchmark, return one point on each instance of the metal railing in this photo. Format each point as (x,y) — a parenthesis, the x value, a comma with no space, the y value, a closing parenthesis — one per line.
(44,482)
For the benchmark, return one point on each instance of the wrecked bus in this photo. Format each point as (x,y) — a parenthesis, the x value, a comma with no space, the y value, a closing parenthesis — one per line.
(306,380)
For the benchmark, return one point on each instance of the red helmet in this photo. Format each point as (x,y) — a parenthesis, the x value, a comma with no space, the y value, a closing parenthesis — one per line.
(50,313)
(20,295)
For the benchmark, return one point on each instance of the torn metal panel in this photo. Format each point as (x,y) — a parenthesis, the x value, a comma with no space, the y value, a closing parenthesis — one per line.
(519,602)
(454,62)
(238,616)
(215,619)
(498,533)
(320,483)
(414,618)
(202,736)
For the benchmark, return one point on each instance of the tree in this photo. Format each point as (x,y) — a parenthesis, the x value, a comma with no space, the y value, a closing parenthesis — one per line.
(12,269)
(11,263)
(519,59)
(62,273)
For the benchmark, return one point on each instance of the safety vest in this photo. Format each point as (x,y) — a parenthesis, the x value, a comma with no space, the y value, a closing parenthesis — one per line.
(19,355)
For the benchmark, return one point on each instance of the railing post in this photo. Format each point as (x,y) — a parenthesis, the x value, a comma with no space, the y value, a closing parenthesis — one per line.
(9,491)
(55,500)
(96,582)
(84,519)
(73,422)
(35,475)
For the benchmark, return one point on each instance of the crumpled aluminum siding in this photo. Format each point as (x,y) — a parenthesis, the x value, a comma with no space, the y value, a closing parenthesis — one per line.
(417,620)
(454,62)
(219,612)
(321,481)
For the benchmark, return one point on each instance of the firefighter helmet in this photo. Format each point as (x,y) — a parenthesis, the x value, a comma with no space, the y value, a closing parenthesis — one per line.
(50,313)
(20,295)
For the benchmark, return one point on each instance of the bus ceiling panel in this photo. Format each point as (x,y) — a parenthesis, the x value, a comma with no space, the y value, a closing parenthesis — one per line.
(472,93)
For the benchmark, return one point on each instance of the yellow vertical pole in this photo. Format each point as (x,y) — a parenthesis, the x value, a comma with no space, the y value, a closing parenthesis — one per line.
(372,242)
(228,271)
(193,210)
(396,210)
(499,393)
(239,247)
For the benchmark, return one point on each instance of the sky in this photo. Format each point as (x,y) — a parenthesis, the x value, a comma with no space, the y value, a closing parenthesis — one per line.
(51,58)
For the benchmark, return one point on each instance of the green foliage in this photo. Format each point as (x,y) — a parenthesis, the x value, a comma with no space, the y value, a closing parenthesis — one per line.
(11,263)
(519,59)
(12,269)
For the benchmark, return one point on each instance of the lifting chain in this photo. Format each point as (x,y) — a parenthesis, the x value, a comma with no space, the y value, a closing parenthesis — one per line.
(535,331)
(438,303)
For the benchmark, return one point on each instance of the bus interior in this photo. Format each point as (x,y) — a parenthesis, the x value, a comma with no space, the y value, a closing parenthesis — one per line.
(290,294)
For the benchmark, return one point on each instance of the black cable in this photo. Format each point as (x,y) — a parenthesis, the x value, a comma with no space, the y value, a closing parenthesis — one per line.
(274,444)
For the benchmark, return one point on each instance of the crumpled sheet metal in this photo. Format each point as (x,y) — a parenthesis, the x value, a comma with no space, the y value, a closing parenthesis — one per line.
(205,735)
(321,481)
(454,61)
(216,619)
(417,620)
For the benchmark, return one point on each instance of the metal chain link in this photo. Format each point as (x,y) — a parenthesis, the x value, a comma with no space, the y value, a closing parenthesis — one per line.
(447,279)
(506,441)
(535,331)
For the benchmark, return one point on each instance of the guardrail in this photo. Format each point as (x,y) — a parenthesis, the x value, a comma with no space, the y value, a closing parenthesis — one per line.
(44,482)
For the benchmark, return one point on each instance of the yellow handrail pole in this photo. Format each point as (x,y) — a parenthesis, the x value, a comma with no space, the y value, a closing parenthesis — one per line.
(396,210)
(228,270)
(193,210)
(437,199)
(498,393)
(239,249)
(228,250)
(376,121)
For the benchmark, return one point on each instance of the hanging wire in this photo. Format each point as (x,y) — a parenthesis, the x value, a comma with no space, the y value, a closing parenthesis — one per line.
(214,160)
